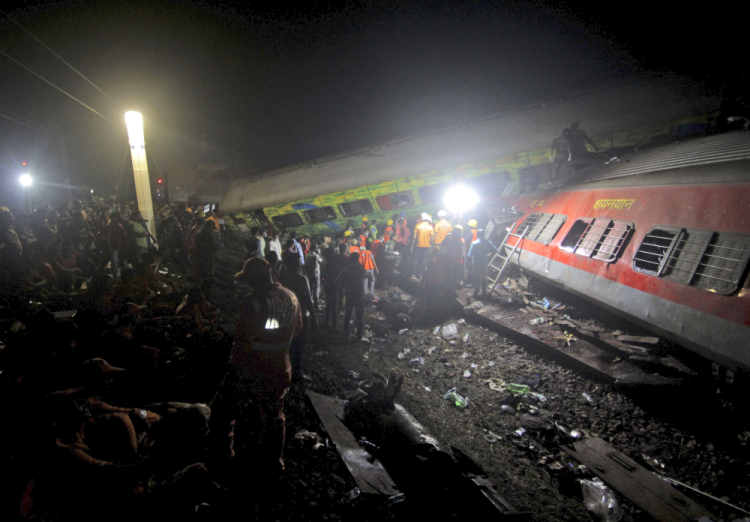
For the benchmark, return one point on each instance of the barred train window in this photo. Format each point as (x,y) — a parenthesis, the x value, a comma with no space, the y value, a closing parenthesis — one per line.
(288,220)
(714,261)
(598,238)
(355,208)
(541,227)
(319,215)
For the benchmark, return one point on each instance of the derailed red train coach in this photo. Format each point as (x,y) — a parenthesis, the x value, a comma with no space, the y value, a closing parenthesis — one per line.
(660,236)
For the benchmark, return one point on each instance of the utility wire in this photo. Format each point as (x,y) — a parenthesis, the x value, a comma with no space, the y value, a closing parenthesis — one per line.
(18,122)
(60,57)
(20,117)
(55,86)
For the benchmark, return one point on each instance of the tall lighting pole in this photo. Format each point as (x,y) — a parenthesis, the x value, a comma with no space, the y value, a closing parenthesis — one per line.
(134,122)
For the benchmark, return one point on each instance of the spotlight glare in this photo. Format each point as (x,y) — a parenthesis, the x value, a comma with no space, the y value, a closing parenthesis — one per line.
(25,180)
(459,199)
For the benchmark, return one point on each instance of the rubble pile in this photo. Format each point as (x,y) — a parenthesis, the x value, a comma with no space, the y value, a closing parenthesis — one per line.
(511,411)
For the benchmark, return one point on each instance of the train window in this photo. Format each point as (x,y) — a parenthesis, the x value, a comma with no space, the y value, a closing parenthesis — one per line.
(320,215)
(395,200)
(598,238)
(723,263)
(401,199)
(714,261)
(356,208)
(288,220)
(541,227)
(241,224)
(432,193)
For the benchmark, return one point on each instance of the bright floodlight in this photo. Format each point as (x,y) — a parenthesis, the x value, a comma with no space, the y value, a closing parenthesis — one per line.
(134,123)
(459,199)
(25,180)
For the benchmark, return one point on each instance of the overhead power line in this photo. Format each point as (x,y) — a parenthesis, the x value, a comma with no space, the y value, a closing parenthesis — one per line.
(16,121)
(55,86)
(28,121)
(60,57)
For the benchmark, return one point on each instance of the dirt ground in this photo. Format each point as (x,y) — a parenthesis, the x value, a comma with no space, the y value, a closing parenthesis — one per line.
(690,434)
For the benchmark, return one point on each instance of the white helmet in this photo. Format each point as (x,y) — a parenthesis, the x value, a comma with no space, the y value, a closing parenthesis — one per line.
(442,214)
(426,217)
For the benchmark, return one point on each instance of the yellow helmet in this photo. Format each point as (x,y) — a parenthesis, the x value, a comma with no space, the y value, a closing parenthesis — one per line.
(390,222)
(472,223)
(364,218)
(347,233)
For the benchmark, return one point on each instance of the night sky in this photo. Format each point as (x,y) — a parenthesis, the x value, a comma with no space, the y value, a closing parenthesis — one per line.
(270,85)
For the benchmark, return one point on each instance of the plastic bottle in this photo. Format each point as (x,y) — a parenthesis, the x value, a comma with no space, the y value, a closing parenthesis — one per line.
(518,388)
(459,401)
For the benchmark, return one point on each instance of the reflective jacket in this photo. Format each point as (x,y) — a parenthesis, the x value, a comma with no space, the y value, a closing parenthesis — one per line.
(365,259)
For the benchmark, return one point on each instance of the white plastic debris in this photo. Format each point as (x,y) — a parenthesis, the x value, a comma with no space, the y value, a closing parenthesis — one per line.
(491,363)
(464,355)
(467,374)
(601,500)
(466,338)
(473,365)
(461,321)
(450,331)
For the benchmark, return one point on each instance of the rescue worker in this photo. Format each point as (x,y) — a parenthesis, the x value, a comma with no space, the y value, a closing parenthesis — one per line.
(423,237)
(259,368)
(388,230)
(375,244)
(478,257)
(560,152)
(373,228)
(365,226)
(353,245)
(371,269)
(442,227)
(351,281)
(363,239)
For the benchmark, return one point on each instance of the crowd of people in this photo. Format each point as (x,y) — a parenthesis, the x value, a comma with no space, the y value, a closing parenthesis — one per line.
(101,327)
(97,341)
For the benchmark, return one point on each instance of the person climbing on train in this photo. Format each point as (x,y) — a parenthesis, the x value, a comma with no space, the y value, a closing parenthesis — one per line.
(577,141)
(420,247)
(367,261)
(442,227)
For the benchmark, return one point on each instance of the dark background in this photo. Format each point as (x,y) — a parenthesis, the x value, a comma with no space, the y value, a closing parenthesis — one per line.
(267,85)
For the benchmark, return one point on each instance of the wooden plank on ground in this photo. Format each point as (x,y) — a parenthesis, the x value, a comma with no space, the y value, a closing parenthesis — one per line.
(371,477)
(637,339)
(643,488)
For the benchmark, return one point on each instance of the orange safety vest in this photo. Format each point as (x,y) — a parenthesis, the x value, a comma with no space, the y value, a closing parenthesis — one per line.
(365,259)
(387,234)
(362,241)
(353,249)
(374,246)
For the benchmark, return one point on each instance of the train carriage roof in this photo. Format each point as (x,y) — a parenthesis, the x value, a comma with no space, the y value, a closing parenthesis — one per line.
(630,105)
(660,162)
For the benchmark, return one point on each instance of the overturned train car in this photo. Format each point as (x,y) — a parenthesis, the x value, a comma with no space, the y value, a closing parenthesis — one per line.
(660,236)
(497,155)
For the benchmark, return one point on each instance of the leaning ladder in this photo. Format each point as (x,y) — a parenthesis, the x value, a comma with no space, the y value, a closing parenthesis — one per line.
(499,261)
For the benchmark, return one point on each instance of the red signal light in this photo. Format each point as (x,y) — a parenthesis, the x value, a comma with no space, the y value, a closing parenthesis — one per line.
(159,180)
(23,163)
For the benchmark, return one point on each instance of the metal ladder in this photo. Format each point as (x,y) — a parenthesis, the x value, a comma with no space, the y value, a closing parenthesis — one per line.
(499,261)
